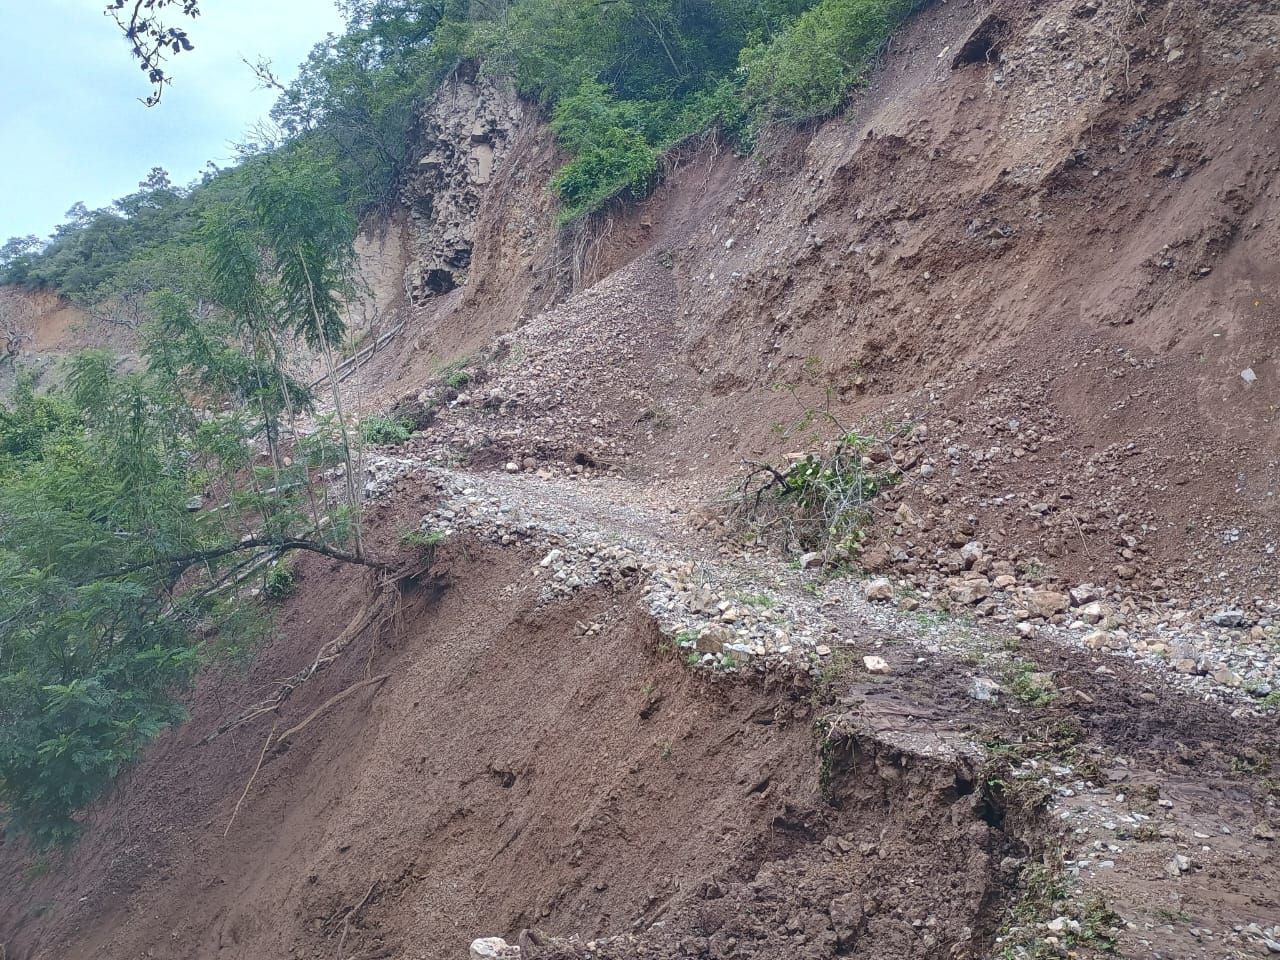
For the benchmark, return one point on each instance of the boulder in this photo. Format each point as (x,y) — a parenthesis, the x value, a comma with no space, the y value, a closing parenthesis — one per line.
(1046,603)
(875,664)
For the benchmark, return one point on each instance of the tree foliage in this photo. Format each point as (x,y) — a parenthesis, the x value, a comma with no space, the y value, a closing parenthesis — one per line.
(625,80)
(152,36)
(112,589)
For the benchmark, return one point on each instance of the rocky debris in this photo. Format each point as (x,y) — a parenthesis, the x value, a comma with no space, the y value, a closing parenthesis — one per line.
(874,664)
(729,605)
(1046,603)
(530,405)
(1178,865)
(984,689)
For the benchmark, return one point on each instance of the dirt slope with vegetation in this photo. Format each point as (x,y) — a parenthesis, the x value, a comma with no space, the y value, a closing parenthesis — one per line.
(1025,709)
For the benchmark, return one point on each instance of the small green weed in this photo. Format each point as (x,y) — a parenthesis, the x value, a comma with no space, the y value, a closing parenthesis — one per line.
(384,430)
(1029,685)
(1046,895)
(422,540)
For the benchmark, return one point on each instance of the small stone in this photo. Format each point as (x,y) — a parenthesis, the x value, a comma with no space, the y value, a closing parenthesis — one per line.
(878,589)
(1264,831)
(195,503)
(875,664)
(712,639)
(1228,618)
(1226,677)
(971,592)
(1047,603)
(512,467)
(1177,866)
(822,650)
(971,553)
(1084,594)
(1096,640)
(1093,612)
(810,560)
(984,689)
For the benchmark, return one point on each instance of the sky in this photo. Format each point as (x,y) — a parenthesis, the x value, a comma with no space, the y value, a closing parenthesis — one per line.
(71,124)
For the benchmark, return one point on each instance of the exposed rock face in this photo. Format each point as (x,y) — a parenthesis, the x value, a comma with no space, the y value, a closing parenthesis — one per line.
(462,140)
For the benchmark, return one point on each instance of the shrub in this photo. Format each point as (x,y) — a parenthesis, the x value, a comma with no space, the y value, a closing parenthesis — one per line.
(422,540)
(807,69)
(280,581)
(382,429)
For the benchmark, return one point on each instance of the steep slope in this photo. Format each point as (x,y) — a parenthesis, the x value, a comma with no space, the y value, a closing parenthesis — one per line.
(1041,238)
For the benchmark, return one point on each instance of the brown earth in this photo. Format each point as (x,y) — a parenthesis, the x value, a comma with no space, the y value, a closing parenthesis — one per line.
(1057,259)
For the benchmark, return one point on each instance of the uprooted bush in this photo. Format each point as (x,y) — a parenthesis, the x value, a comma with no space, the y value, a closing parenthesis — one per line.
(824,500)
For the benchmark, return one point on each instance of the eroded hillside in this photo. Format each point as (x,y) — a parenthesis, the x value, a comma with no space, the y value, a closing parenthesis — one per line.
(1033,267)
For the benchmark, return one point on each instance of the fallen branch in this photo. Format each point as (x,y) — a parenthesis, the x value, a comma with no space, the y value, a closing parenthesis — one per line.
(351,914)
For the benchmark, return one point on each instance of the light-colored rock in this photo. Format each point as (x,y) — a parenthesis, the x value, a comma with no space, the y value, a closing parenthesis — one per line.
(1084,594)
(984,689)
(875,664)
(810,560)
(970,592)
(1178,865)
(879,589)
(1093,612)
(1046,603)
(1096,639)
(493,948)
(712,639)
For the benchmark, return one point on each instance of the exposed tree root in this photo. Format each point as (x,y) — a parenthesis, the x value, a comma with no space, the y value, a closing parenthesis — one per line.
(332,701)
(383,607)
(253,776)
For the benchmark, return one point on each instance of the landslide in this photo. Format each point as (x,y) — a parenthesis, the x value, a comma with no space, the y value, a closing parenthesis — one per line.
(1043,233)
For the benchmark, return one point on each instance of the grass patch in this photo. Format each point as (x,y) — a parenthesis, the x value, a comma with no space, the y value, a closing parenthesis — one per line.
(1029,685)
(1049,909)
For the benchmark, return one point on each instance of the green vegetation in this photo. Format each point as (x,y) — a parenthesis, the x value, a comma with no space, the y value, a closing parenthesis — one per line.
(1028,685)
(113,588)
(280,581)
(383,429)
(1046,897)
(422,540)
(624,82)
(822,501)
